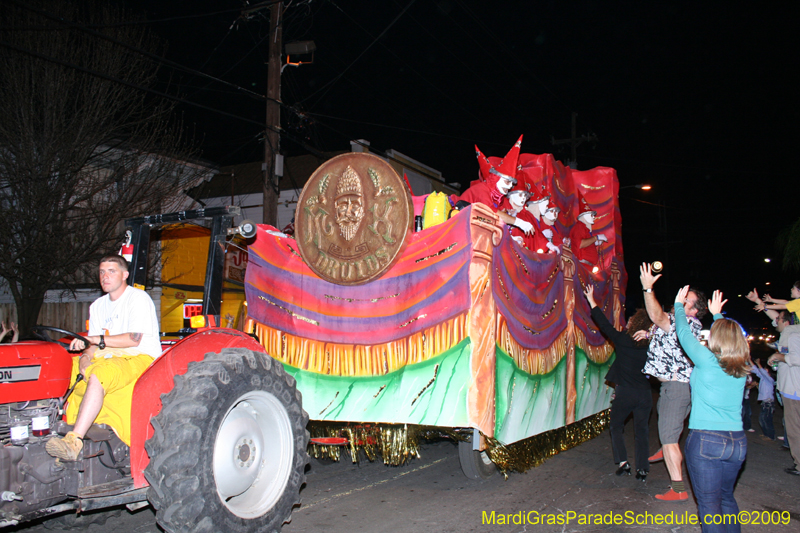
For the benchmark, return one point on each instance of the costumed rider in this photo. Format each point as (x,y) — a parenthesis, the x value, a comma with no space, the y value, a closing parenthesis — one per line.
(514,205)
(584,242)
(536,207)
(124,337)
(493,185)
(550,232)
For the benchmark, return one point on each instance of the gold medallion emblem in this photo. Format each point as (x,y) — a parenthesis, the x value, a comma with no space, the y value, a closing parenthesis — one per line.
(353,219)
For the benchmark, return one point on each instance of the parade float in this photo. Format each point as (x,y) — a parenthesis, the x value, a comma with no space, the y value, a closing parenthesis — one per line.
(454,330)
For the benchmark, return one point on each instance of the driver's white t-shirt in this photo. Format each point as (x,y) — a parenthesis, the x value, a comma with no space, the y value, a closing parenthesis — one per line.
(133,312)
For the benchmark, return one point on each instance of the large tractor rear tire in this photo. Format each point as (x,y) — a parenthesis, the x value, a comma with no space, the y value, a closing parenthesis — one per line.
(229,449)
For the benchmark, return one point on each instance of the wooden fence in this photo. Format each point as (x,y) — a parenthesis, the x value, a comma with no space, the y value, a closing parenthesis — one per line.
(71,316)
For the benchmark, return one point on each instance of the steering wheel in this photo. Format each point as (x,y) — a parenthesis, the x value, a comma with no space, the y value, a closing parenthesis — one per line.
(64,332)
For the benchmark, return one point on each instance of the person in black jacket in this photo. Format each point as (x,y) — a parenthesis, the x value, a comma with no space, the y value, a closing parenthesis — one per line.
(632,387)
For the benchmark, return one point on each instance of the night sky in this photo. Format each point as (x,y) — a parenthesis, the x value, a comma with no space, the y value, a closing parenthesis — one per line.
(693,98)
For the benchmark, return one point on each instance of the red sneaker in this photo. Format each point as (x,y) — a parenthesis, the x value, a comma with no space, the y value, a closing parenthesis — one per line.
(658,456)
(672,496)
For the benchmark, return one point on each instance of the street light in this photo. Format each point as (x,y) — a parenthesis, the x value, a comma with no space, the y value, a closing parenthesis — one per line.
(299,48)
(641,186)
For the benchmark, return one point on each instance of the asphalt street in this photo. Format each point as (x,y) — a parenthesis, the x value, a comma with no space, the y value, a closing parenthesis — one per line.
(431,494)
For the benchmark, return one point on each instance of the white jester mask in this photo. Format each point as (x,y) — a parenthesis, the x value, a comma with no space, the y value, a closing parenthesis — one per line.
(517,199)
(543,204)
(504,185)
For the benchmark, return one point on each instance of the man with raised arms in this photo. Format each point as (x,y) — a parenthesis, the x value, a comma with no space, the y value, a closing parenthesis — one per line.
(667,362)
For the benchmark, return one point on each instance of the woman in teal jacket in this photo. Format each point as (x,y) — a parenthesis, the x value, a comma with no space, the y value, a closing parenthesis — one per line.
(717,445)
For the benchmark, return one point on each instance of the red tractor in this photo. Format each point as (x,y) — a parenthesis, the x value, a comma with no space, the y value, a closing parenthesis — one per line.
(218,432)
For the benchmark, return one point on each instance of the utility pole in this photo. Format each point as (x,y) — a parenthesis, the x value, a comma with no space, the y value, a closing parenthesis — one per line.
(574,141)
(272,138)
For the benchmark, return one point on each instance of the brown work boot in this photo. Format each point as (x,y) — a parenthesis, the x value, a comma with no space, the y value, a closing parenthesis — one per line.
(66,449)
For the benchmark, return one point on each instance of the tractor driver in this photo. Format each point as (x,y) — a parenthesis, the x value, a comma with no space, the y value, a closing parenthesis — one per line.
(123,332)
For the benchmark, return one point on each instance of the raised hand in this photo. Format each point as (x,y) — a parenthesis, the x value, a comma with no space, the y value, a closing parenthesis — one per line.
(716,303)
(588,291)
(646,276)
(680,298)
(753,296)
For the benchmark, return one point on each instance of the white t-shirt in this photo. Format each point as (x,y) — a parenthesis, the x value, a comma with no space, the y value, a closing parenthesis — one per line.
(133,312)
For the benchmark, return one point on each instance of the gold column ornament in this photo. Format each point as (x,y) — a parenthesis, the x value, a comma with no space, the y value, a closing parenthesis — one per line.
(486,234)
(616,303)
(568,268)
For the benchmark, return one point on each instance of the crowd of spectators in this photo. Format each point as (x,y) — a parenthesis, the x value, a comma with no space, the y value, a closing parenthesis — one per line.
(707,381)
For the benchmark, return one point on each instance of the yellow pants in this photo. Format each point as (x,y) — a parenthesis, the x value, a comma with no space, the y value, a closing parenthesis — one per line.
(117,375)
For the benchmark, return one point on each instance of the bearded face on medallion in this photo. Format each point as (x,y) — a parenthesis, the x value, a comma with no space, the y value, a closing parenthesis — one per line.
(349,203)
(354,216)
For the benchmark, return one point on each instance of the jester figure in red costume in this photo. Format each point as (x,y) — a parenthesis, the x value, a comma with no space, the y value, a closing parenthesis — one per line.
(514,205)
(494,184)
(550,230)
(584,242)
(536,207)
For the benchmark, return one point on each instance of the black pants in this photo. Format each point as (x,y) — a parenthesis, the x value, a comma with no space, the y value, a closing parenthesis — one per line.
(639,402)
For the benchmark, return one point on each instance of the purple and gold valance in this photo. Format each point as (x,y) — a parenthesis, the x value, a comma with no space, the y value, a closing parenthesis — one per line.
(427,286)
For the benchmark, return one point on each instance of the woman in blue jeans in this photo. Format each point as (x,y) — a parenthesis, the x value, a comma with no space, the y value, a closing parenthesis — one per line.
(716,446)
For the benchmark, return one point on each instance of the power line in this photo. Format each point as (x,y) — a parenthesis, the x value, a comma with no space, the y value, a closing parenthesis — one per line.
(409,66)
(375,40)
(242,58)
(123,82)
(214,51)
(168,19)
(517,62)
(410,130)
(285,134)
(145,53)
(280,131)
(371,149)
(114,79)
(158,59)
(477,75)
(715,170)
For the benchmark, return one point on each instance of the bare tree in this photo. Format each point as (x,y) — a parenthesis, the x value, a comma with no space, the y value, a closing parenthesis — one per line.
(82,144)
